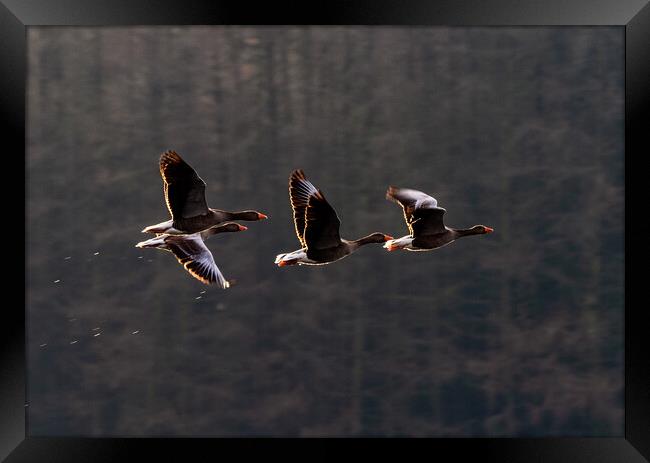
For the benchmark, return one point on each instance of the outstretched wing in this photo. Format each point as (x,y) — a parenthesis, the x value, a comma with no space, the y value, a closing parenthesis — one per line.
(300,189)
(196,258)
(421,211)
(184,189)
(322,224)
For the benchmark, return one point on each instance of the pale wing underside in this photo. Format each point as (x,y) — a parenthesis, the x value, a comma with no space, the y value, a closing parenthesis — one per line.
(196,258)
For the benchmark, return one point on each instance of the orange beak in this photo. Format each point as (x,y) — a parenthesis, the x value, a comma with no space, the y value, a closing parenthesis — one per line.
(489,230)
(282,263)
(261,216)
(388,238)
(242,227)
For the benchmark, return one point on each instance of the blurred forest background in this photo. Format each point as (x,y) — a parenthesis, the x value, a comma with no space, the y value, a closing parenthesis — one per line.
(517,333)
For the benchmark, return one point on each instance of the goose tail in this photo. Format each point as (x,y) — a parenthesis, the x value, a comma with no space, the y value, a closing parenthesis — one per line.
(152,243)
(162,227)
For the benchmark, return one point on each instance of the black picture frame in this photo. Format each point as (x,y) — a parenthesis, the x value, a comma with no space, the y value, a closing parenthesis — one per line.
(634,16)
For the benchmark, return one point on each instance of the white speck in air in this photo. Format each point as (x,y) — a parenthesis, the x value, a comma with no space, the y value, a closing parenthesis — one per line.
(95,329)
(149,260)
(67,258)
(139,257)
(96,254)
(96,334)
(136,332)
(57,281)
(198,297)
(26,405)
(43,345)
(74,342)
(202,292)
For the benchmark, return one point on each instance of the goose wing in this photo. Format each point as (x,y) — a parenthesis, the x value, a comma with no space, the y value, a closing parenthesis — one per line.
(196,258)
(321,223)
(184,189)
(421,211)
(300,189)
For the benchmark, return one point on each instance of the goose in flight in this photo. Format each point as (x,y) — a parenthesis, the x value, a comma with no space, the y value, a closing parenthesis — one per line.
(185,199)
(192,253)
(317,227)
(423,218)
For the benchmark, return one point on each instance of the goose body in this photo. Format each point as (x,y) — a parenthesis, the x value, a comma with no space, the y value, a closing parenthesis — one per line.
(319,256)
(317,227)
(424,220)
(192,253)
(185,198)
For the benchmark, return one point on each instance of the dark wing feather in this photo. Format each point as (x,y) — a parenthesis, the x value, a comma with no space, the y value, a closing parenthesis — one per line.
(322,223)
(196,258)
(421,211)
(184,189)
(428,222)
(300,189)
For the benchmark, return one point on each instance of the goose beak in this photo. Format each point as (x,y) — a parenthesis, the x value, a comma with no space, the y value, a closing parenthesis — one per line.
(388,238)
(261,216)
(282,263)
(242,227)
(489,230)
